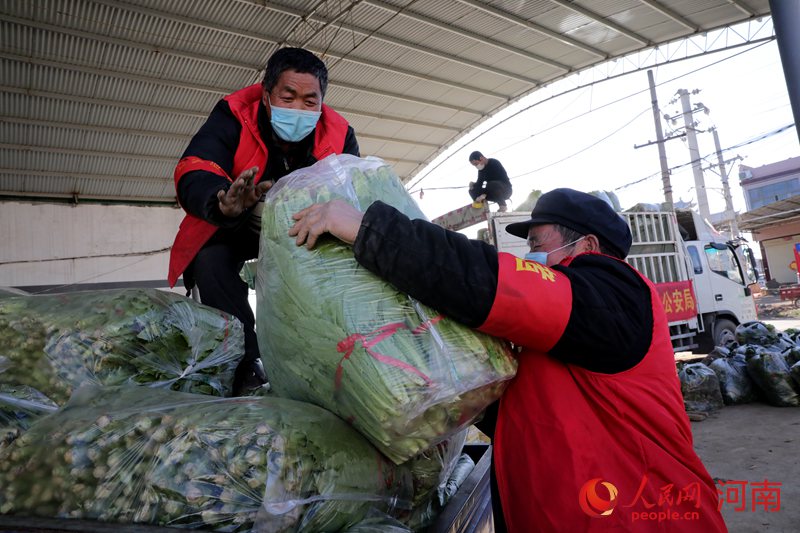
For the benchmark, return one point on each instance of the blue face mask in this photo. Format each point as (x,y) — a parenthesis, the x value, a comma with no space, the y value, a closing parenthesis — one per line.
(541,257)
(293,125)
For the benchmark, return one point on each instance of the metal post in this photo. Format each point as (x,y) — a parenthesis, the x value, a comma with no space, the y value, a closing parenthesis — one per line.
(786,20)
(662,153)
(723,174)
(694,153)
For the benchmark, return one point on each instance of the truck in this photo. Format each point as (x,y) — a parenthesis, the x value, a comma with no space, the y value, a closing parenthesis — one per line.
(705,280)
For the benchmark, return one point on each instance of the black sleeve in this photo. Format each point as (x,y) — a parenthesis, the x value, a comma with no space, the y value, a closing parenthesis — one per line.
(495,171)
(611,325)
(440,268)
(216,141)
(351,143)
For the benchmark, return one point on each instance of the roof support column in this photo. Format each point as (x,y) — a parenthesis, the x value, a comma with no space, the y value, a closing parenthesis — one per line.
(786,20)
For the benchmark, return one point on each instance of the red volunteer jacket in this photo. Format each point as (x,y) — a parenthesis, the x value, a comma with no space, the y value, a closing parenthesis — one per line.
(578,450)
(194,232)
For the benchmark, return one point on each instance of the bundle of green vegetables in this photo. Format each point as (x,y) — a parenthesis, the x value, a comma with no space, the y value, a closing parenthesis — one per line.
(700,388)
(129,454)
(54,343)
(334,334)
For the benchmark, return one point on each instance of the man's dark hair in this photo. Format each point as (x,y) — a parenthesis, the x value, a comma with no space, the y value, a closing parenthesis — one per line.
(298,60)
(475,156)
(570,235)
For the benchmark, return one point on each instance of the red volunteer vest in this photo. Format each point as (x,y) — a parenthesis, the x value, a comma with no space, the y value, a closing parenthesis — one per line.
(577,450)
(194,232)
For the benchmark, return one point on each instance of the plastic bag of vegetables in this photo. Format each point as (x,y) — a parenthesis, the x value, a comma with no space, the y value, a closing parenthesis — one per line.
(130,454)
(700,388)
(770,372)
(334,334)
(55,343)
(734,381)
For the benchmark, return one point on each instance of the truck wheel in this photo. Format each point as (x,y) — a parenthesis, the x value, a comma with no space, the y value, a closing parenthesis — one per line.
(724,330)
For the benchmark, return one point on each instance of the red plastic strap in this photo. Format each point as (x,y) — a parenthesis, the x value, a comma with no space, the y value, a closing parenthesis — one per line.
(369,340)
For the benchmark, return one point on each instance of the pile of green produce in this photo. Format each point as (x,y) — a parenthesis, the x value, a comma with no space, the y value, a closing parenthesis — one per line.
(54,343)
(771,373)
(735,383)
(130,454)
(700,388)
(334,334)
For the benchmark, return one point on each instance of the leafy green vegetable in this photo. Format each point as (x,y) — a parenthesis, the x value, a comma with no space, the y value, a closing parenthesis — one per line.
(769,370)
(336,335)
(19,407)
(55,343)
(700,388)
(129,454)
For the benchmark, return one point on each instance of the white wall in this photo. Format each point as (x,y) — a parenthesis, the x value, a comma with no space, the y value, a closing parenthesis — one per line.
(58,244)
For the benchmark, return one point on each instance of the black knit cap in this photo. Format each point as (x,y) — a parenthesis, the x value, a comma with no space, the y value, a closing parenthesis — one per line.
(580,212)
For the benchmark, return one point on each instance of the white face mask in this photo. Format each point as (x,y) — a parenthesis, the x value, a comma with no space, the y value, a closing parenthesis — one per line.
(541,257)
(480,166)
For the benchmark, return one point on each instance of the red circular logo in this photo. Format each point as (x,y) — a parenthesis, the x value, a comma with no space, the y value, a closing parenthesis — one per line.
(592,503)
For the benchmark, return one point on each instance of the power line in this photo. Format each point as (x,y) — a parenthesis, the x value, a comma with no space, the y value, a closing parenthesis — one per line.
(760,137)
(577,116)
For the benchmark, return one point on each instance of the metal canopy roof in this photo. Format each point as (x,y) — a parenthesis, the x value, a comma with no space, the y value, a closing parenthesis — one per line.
(779,212)
(100,97)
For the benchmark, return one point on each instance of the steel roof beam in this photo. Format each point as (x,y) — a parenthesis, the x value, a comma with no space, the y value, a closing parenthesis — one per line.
(572,6)
(671,15)
(535,27)
(261,38)
(84,175)
(221,91)
(464,33)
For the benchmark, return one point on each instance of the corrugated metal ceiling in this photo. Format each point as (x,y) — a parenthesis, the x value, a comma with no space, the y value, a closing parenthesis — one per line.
(99,98)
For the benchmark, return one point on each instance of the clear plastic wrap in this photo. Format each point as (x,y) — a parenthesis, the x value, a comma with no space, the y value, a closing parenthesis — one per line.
(19,407)
(430,471)
(55,343)
(334,334)
(700,388)
(129,454)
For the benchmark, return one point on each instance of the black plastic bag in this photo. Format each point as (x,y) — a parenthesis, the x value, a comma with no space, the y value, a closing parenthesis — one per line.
(700,388)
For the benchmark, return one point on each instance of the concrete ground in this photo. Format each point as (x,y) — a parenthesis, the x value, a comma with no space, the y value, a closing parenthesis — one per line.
(755,443)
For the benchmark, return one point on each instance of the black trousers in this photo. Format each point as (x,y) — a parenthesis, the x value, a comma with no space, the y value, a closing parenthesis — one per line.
(495,191)
(215,271)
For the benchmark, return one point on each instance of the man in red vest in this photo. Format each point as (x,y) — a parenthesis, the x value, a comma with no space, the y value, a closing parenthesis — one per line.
(252,138)
(591,434)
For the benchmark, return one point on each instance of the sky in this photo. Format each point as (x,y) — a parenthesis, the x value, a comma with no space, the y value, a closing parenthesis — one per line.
(585,138)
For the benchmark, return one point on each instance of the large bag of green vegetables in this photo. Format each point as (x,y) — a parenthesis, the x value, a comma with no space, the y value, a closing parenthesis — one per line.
(735,383)
(55,343)
(770,372)
(334,334)
(700,388)
(130,454)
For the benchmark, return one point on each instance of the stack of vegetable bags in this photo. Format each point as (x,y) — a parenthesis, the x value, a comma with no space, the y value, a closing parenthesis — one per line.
(735,383)
(130,454)
(334,334)
(54,343)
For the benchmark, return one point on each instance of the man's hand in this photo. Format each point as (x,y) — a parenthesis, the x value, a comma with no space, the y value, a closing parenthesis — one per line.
(242,193)
(336,217)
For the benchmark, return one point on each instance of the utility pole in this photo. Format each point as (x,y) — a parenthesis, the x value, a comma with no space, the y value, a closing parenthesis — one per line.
(694,153)
(662,153)
(660,140)
(723,174)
